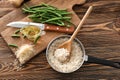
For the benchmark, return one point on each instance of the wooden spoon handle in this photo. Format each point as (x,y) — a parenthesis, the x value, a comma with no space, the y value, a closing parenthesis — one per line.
(81,22)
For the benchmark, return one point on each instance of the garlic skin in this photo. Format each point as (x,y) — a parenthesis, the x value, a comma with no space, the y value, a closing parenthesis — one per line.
(25,53)
(16,3)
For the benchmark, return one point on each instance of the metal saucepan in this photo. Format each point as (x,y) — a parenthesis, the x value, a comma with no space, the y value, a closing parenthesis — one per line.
(86,58)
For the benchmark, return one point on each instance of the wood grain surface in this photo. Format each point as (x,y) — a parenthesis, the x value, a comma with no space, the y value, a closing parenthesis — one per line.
(100,36)
(42,42)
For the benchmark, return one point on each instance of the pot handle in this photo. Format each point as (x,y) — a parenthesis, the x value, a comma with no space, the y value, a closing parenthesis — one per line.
(91,59)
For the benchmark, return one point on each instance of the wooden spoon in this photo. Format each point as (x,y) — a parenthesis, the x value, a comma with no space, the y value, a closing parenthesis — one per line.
(67,44)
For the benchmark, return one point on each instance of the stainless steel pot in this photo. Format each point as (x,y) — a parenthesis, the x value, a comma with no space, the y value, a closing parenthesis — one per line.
(86,58)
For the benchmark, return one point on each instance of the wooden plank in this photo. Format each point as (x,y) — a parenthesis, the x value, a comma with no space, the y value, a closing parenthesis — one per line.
(5,4)
(100,36)
(4,11)
(12,16)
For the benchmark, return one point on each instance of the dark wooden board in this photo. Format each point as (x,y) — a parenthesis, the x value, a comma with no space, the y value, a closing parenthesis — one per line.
(100,36)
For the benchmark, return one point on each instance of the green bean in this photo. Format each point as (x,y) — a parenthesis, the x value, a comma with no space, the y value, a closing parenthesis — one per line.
(54,13)
(56,23)
(17,31)
(26,6)
(13,45)
(15,35)
(27,11)
(68,22)
(59,18)
(36,39)
(45,13)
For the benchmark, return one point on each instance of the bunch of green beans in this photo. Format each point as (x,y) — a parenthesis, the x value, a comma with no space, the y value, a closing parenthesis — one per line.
(45,13)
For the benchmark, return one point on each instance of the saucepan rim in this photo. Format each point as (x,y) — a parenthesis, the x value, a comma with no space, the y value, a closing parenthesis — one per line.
(81,45)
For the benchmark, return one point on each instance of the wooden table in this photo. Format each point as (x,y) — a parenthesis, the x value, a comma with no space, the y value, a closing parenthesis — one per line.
(100,36)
